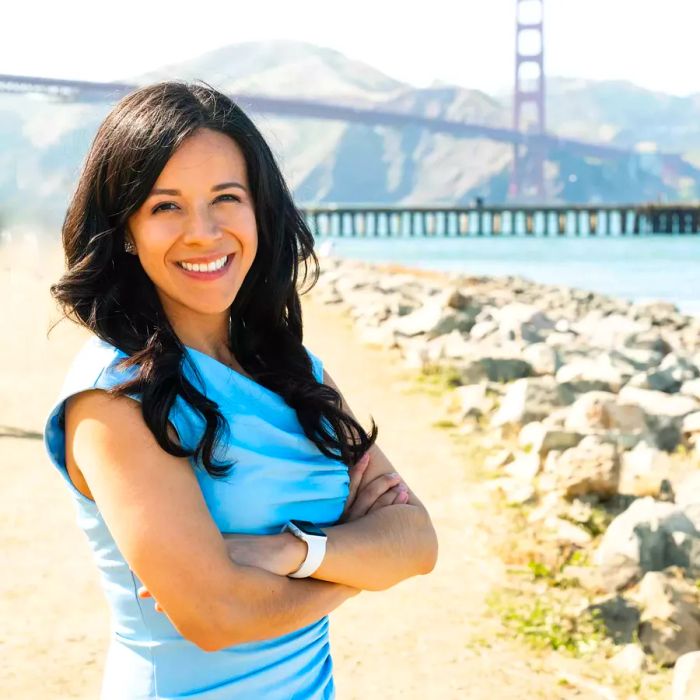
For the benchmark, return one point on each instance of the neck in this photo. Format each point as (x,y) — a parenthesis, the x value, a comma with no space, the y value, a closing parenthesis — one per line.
(208,334)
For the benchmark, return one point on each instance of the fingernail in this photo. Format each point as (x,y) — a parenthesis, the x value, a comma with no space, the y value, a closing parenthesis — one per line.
(403,488)
(365,457)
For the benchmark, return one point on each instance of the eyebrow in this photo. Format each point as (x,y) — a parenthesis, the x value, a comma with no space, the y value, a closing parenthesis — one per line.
(216,188)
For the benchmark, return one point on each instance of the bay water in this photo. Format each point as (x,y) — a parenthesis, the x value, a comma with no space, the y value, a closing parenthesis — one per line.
(645,268)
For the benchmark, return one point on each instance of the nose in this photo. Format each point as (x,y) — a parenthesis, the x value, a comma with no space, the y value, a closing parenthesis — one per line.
(201,227)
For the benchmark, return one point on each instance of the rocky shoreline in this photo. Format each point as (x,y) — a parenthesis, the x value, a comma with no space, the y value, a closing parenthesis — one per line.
(587,402)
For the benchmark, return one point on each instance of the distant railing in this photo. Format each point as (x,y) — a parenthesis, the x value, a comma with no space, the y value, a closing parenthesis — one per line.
(507,220)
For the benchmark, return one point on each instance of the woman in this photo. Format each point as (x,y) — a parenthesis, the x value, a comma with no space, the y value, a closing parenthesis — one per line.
(215,465)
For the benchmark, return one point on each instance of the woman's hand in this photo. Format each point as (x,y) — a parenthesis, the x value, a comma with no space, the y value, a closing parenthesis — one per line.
(363,498)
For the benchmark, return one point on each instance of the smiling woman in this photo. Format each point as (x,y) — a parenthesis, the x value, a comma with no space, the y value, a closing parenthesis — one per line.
(198,246)
(230,496)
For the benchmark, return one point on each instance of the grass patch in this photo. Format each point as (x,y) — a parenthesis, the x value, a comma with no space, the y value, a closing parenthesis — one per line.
(437,379)
(546,623)
(444,424)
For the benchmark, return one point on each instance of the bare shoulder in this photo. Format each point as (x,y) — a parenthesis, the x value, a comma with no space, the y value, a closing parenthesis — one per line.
(152,505)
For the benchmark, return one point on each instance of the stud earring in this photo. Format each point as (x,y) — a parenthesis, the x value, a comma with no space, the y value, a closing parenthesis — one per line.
(129,247)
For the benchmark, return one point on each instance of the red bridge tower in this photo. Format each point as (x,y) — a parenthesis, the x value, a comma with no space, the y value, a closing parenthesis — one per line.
(527,178)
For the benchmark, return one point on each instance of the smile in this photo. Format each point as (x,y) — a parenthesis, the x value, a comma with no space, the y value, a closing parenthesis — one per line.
(208,271)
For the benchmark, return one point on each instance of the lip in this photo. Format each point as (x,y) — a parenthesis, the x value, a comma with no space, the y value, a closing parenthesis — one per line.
(208,275)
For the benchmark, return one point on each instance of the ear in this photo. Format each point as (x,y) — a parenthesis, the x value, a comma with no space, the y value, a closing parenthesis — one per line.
(129,245)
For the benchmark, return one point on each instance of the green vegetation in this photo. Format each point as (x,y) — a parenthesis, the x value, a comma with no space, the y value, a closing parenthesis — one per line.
(546,623)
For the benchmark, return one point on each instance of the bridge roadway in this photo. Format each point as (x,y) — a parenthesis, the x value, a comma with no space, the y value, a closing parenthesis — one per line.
(88,91)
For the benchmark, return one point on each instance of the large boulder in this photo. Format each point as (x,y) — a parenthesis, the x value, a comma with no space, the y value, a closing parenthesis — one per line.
(592,467)
(432,319)
(620,617)
(686,677)
(691,388)
(670,621)
(530,399)
(643,471)
(527,322)
(543,358)
(608,331)
(648,536)
(590,374)
(665,412)
(598,411)
(493,369)
(539,439)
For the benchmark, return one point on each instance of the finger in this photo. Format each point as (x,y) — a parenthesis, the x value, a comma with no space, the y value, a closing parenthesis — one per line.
(403,497)
(356,473)
(143,592)
(386,499)
(368,494)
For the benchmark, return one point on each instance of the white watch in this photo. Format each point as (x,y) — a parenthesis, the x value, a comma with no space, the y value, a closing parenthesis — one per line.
(315,539)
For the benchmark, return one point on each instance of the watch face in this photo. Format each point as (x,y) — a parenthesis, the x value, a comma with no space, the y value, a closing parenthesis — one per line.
(309,528)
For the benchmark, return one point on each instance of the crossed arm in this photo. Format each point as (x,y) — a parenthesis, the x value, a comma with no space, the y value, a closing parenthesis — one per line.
(219,590)
(382,539)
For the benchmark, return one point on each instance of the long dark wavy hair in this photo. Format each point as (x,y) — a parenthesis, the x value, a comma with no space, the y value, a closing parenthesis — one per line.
(106,289)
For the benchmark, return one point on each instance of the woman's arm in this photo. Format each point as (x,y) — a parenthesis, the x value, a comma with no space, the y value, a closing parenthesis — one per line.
(384,546)
(153,506)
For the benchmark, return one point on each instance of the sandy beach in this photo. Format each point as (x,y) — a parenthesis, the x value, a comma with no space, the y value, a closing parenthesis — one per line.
(429,637)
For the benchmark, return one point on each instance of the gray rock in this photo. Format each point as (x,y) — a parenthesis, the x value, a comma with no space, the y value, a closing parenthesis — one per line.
(494,369)
(687,489)
(524,467)
(514,491)
(530,399)
(543,358)
(524,322)
(432,319)
(499,459)
(642,471)
(686,677)
(648,340)
(647,536)
(540,439)
(590,374)
(473,400)
(608,331)
(670,624)
(603,411)
(639,359)
(555,529)
(658,403)
(690,428)
(592,467)
(691,388)
(621,618)
(630,660)
(454,345)
(482,329)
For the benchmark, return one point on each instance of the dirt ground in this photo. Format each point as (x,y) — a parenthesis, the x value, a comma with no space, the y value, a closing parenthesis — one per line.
(429,637)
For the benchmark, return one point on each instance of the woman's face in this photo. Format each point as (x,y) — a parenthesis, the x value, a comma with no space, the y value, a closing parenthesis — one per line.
(198,215)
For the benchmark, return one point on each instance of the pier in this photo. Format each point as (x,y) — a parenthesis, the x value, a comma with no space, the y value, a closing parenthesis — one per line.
(504,220)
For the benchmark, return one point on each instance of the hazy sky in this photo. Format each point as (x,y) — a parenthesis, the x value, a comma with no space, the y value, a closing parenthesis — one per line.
(468,42)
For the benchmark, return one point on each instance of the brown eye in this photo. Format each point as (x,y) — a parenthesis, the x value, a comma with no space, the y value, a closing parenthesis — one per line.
(162,204)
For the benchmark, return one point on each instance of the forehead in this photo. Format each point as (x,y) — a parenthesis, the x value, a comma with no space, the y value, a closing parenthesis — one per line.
(205,151)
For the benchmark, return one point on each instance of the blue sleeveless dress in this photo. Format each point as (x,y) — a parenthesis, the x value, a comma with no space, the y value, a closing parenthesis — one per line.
(280,474)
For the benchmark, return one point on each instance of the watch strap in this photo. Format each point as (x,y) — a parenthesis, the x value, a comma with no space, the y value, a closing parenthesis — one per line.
(316,551)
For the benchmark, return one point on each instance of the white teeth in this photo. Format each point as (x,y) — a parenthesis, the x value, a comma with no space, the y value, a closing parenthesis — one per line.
(204,267)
